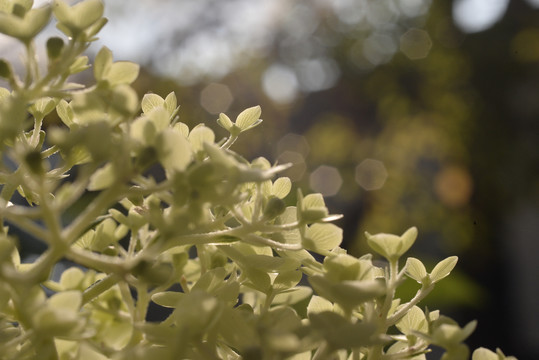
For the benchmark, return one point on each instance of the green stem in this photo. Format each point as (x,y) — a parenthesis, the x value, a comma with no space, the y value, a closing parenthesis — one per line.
(143,300)
(27,225)
(94,209)
(42,266)
(100,262)
(391,287)
(99,287)
(127,298)
(51,218)
(73,49)
(376,351)
(269,299)
(420,295)
(229,142)
(31,63)
(34,140)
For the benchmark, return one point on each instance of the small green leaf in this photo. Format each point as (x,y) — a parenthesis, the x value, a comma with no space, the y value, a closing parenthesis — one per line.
(27,27)
(169,299)
(182,128)
(174,151)
(210,280)
(115,335)
(342,267)
(80,64)
(392,246)
(199,135)
(71,278)
(402,347)
(41,107)
(311,208)
(171,103)
(248,118)
(313,201)
(86,240)
(348,294)
(237,328)
(143,131)
(318,304)
(150,102)
(415,269)
(102,63)
(286,280)
(89,107)
(103,178)
(198,312)
(225,122)
(59,316)
(443,268)
(96,27)
(289,216)
(219,155)
(447,333)
(257,279)
(122,72)
(281,187)
(408,239)
(159,118)
(72,20)
(65,112)
(104,235)
(413,320)
(292,295)
(145,128)
(124,100)
(322,237)
(228,292)
(66,301)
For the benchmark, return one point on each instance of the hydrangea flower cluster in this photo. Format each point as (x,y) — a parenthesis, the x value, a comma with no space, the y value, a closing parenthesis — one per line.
(217,240)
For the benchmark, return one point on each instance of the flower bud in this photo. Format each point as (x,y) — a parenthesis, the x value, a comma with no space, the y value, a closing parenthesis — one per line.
(392,246)
(55,45)
(274,208)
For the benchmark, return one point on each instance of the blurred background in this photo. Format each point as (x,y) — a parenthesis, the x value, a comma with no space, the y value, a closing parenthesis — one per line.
(401,112)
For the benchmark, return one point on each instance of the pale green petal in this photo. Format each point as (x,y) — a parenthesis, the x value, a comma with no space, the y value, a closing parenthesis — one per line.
(122,72)
(415,269)
(150,102)
(443,268)
(248,117)
(102,63)
(174,150)
(414,320)
(322,237)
